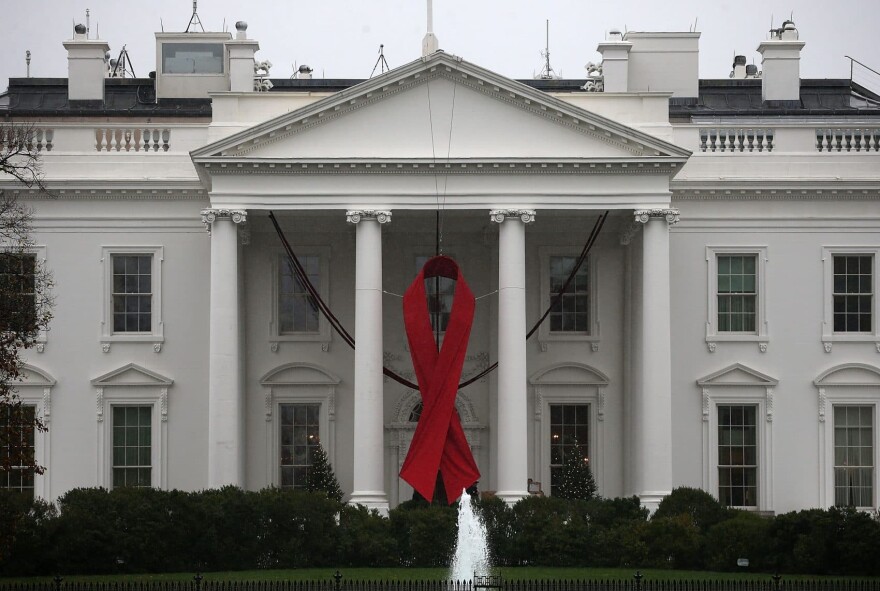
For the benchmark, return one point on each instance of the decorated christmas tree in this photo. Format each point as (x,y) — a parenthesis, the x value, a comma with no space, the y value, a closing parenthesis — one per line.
(321,476)
(577,478)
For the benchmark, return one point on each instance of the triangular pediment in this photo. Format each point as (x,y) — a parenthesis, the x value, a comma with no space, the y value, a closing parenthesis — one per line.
(737,375)
(131,375)
(292,374)
(849,374)
(569,374)
(439,107)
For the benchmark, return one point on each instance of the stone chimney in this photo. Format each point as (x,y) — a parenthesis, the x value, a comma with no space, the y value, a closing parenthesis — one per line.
(241,60)
(615,62)
(664,62)
(86,66)
(781,64)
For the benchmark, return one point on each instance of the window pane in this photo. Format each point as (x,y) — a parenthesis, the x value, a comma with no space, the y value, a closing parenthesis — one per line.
(572,309)
(737,455)
(852,293)
(853,455)
(132,451)
(569,425)
(297,310)
(299,438)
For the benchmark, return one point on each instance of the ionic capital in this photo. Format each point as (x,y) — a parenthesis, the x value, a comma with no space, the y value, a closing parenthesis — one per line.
(643,216)
(354,216)
(209,216)
(525,215)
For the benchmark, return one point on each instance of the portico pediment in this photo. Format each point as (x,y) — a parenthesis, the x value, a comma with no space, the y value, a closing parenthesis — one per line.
(438,108)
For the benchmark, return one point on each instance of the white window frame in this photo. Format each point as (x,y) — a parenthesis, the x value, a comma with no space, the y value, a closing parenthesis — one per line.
(545,335)
(828,334)
(322,335)
(298,383)
(761,334)
(848,384)
(569,383)
(138,387)
(40,251)
(738,385)
(157,334)
(36,391)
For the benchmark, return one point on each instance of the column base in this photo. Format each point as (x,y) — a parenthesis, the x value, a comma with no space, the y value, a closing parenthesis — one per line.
(511,497)
(651,500)
(371,499)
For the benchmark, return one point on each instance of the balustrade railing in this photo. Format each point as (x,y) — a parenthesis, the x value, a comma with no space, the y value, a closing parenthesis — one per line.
(848,140)
(132,139)
(31,138)
(736,139)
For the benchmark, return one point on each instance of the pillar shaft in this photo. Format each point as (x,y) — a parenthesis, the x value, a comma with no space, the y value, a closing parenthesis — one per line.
(512,446)
(226,444)
(369,429)
(654,446)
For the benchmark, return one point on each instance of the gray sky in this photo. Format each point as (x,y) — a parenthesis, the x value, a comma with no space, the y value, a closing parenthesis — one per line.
(340,38)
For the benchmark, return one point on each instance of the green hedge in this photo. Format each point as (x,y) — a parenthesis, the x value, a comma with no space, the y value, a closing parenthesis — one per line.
(95,531)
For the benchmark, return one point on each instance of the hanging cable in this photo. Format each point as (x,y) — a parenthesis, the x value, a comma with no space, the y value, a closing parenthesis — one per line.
(301,275)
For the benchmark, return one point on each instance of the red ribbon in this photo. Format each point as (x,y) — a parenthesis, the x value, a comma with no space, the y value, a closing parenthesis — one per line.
(439,443)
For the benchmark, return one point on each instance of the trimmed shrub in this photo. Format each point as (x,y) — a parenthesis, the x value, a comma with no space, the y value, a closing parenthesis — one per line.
(25,534)
(703,509)
(425,533)
(674,542)
(366,539)
(745,535)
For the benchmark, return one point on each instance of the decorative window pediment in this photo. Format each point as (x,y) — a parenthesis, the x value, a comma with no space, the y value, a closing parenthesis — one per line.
(298,374)
(131,375)
(849,374)
(737,375)
(33,376)
(569,374)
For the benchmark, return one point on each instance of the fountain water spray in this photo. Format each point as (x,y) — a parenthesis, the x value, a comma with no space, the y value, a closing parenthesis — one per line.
(472,546)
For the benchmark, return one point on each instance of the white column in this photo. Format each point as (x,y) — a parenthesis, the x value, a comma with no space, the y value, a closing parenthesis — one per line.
(226,445)
(654,413)
(369,428)
(512,445)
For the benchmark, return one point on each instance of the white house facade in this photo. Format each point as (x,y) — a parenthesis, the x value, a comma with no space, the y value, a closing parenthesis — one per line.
(720,334)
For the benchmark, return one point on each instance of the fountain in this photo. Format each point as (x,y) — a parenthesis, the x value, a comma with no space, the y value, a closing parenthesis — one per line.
(471,557)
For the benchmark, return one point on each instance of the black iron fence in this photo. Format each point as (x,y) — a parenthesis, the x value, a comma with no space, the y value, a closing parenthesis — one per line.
(340,583)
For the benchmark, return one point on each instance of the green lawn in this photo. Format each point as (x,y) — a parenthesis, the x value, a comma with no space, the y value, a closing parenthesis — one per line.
(401,574)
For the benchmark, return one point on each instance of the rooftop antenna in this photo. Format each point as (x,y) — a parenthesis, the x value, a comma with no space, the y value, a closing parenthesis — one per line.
(27,59)
(122,66)
(547,70)
(381,62)
(88,27)
(194,19)
(430,44)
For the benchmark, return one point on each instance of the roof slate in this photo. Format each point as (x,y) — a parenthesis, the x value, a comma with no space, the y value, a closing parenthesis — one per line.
(136,97)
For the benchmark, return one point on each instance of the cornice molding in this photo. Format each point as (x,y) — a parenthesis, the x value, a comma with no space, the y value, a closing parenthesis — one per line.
(782,194)
(427,166)
(110,194)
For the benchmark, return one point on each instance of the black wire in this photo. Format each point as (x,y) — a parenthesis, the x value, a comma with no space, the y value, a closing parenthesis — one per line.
(349,340)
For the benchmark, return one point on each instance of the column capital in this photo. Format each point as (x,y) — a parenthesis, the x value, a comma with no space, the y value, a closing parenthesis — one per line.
(354,216)
(499,215)
(209,216)
(643,216)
